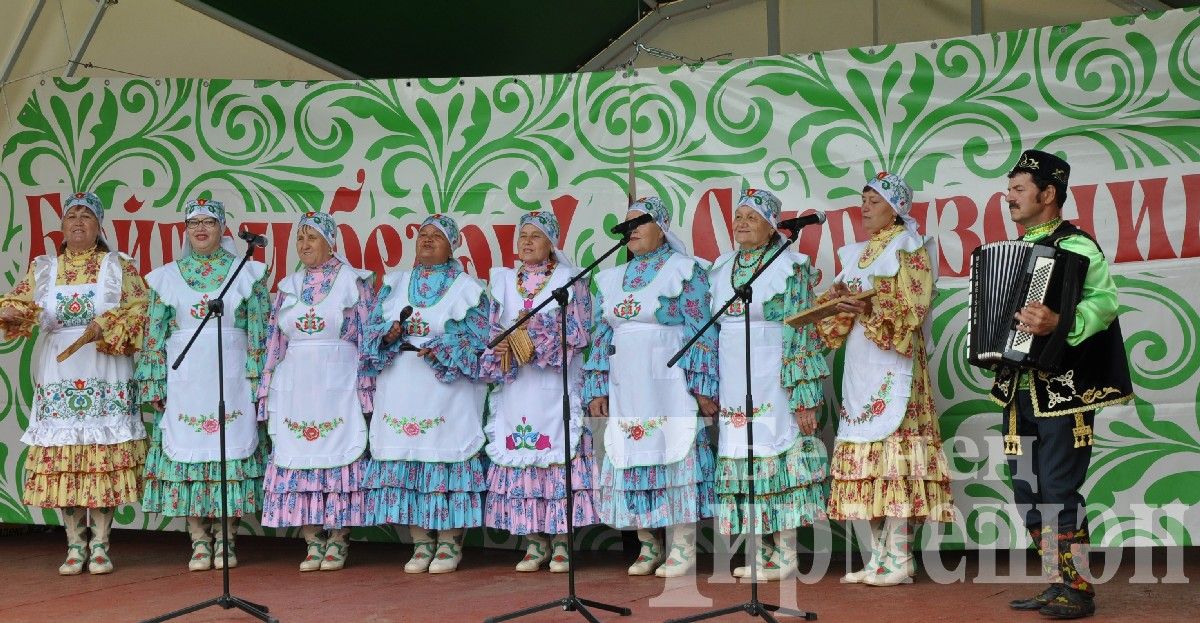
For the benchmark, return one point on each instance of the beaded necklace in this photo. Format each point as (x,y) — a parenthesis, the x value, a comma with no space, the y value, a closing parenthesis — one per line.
(528,296)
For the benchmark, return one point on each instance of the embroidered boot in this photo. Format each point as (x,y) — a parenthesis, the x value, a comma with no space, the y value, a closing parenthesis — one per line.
(1077,599)
(876,559)
(682,559)
(898,566)
(536,553)
(1042,538)
(449,551)
(337,549)
(650,556)
(197,528)
(762,558)
(316,548)
(99,561)
(785,561)
(73,517)
(423,546)
(560,558)
(223,541)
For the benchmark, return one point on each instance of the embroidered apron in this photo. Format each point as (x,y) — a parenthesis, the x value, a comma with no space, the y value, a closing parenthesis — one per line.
(875,383)
(417,417)
(89,398)
(652,415)
(526,425)
(190,431)
(775,428)
(314,415)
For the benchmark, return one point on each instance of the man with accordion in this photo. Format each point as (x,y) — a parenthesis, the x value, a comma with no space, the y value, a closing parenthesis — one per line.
(1044,317)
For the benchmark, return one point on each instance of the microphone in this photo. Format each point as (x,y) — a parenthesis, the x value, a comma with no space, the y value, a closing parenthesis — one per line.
(623,229)
(405,313)
(800,222)
(253,239)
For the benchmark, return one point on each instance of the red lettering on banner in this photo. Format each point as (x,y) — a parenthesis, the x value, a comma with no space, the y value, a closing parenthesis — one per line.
(346,199)
(835,220)
(505,237)
(704,234)
(383,239)
(169,234)
(967,241)
(281,236)
(133,204)
(564,210)
(37,232)
(139,247)
(1128,228)
(1191,216)
(1084,199)
(349,245)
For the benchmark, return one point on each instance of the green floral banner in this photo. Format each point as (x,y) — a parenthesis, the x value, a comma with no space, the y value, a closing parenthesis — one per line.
(1118,98)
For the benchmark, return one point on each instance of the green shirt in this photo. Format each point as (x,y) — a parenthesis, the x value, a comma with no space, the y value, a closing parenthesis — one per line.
(1098,306)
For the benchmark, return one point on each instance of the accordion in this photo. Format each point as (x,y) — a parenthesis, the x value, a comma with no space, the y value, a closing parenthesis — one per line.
(1006,276)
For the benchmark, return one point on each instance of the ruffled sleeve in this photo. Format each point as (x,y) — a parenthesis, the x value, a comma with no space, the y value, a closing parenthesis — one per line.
(253,315)
(276,346)
(121,327)
(595,367)
(803,366)
(490,369)
(900,304)
(150,363)
(354,331)
(455,353)
(692,308)
(374,354)
(544,331)
(20,299)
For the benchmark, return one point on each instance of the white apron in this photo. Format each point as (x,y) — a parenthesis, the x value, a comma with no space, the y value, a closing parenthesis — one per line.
(526,426)
(190,432)
(90,397)
(314,414)
(652,415)
(417,417)
(775,428)
(876,383)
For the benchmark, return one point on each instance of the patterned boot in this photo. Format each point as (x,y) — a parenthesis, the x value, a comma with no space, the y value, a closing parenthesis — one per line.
(99,562)
(449,551)
(316,548)
(76,540)
(337,550)
(536,553)
(223,541)
(898,566)
(682,560)
(765,552)
(876,560)
(202,550)
(1042,538)
(785,561)
(649,557)
(423,547)
(1077,599)
(560,558)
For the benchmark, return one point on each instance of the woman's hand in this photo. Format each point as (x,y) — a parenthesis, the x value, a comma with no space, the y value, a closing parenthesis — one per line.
(501,349)
(708,406)
(159,405)
(806,419)
(598,407)
(393,333)
(93,331)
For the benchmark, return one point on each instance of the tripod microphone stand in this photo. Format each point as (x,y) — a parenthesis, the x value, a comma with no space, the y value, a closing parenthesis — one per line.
(571,601)
(216,308)
(754,607)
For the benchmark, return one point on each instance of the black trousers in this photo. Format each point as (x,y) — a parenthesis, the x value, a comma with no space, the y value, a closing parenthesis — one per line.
(1046,479)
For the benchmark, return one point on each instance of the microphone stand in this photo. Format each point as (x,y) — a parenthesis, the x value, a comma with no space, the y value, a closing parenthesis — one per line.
(571,601)
(216,308)
(754,607)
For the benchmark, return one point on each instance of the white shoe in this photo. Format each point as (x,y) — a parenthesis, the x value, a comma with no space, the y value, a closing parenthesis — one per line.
(316,548)
(336,550)
(220,542)
(99,562)
(536,553)
(682,560)
(898,566)
(560,559)
(650,556)
(77,544)
(202,550)
(449,552)
(784,560)
(765,551)
(876,559)
(423,547)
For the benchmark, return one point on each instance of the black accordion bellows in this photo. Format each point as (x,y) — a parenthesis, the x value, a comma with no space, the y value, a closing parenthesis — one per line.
(1006,276)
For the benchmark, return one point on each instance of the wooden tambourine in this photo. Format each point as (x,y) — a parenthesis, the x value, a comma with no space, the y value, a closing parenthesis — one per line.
(76,345)
(825,310)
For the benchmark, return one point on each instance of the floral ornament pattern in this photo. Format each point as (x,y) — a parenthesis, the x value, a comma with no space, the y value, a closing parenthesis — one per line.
(310,323)
(312,430)
(640,429)
(876,405)
(416,326)
(413,427)
(200,309)
(627,309)
(525,438)
(76,310)
(81,399)
(737,417)
(207,423)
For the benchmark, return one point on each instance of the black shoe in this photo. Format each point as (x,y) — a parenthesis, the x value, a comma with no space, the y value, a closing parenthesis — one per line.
(1038,602)
(1070,604)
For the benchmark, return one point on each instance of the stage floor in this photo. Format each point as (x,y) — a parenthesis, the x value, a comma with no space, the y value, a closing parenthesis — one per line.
(151,578)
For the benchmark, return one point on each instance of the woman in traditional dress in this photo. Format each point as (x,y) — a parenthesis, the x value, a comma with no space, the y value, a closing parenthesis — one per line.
(183,468)
(526,481)
(426,434)
(787,366)
(658,467)
(314,398)
(87,444)
(888,467)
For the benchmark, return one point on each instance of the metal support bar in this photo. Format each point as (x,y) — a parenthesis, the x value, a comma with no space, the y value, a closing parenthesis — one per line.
(1142,6)
(101,7)
(666,10)
(22,38)
(977,17)
(772,27)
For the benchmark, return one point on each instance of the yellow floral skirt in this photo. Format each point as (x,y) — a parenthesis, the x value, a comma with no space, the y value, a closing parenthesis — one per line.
(95,476)
(903,475)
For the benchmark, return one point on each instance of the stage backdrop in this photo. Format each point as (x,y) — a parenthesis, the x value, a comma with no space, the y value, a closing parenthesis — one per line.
(1120,99)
